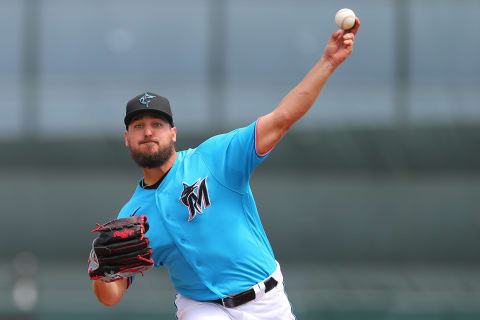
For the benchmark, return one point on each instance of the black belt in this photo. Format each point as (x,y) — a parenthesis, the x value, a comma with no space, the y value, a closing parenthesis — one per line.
(245,296)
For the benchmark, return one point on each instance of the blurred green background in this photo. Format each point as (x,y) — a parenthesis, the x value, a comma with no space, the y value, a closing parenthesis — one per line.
(371,202)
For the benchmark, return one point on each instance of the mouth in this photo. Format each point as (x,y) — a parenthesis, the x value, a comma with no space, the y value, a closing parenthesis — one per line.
(148,141)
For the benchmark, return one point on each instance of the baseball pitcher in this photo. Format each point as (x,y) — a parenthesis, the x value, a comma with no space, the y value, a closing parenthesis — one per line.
(193,211)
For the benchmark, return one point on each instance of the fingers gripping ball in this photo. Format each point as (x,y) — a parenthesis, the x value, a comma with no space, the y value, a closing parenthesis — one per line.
(345,19)
(121,250)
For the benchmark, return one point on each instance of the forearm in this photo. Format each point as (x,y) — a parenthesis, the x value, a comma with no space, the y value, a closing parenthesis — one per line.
(300,99)
(110,293)
(293,106)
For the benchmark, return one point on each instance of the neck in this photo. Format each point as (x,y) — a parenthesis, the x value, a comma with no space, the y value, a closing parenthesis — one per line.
(152,175)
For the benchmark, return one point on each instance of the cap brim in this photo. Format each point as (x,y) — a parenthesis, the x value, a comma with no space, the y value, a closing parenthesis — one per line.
(131,115)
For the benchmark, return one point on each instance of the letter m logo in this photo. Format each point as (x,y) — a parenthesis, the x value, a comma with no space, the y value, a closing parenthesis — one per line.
(195,197)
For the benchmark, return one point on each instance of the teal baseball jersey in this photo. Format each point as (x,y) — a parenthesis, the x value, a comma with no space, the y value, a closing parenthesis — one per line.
(204,224)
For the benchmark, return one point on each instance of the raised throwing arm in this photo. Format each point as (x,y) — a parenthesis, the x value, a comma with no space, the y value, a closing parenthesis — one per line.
(273,126)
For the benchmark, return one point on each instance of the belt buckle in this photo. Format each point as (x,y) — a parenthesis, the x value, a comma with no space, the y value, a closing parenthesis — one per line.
(230,303)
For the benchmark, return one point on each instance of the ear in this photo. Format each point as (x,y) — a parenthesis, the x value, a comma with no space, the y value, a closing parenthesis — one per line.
(126,138)
(174,134)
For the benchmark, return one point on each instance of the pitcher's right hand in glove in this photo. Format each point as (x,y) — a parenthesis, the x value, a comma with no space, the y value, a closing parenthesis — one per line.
(121,250)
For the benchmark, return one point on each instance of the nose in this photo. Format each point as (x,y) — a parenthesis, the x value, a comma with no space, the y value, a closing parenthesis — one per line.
(148,132)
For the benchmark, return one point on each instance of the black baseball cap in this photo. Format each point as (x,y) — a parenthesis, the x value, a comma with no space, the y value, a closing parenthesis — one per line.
(148,101)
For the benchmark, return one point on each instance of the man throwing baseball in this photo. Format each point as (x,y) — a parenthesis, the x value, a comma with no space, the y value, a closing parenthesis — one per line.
(194,212)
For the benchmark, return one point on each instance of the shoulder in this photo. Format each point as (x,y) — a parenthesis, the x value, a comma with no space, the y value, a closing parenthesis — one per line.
(224,139)
(205,147)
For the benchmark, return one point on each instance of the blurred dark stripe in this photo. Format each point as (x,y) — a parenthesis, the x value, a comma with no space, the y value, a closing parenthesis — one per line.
(377,150)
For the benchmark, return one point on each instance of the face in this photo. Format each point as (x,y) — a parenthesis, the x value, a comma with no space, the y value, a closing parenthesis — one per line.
(150,140)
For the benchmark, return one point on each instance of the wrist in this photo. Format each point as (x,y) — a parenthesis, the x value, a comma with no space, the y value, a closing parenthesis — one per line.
(327,64)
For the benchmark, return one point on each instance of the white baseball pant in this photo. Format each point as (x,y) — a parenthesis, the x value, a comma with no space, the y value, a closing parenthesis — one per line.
(273,305)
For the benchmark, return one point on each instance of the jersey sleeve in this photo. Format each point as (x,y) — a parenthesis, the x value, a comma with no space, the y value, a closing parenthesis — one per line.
(232,157)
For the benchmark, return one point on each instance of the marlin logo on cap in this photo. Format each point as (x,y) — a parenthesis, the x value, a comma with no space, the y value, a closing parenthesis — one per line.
(146,99)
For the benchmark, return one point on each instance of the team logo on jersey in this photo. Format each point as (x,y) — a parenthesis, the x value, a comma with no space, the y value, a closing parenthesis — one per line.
(195,196)
(146,99)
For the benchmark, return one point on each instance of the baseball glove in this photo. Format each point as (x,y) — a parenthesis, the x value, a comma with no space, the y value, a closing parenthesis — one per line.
(121,250)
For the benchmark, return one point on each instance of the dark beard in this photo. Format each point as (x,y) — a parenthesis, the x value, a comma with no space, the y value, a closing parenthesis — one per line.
(153,160)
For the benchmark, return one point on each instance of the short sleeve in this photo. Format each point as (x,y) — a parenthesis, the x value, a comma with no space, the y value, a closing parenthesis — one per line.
(232,157)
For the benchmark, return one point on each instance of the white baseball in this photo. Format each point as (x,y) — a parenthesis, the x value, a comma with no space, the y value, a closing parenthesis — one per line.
(345,19)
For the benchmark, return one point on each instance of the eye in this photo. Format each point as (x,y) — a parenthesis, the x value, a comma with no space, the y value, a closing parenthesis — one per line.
(138,126)
(157,124)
